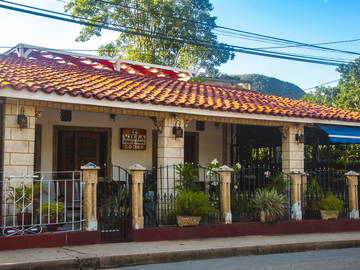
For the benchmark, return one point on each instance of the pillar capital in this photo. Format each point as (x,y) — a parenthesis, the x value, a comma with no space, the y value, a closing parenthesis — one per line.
(136,167)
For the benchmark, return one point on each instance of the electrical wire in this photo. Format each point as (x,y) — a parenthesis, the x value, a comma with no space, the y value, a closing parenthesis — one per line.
(231,48)
(299,44)
(314,87)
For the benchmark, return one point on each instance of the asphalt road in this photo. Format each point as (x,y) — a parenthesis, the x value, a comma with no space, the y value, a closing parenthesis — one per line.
(337,259)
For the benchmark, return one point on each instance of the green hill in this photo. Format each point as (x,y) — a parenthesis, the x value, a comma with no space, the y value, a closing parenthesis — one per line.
(269,85)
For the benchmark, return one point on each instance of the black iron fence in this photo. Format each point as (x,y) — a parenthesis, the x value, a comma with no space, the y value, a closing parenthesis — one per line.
(161,187)
(243,188)
(320,182)
(114,206)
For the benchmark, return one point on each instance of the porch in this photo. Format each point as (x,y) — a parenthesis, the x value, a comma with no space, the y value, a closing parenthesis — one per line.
(60,138)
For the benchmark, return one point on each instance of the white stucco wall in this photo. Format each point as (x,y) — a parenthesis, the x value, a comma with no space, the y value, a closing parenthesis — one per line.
(210,140)
(125,158)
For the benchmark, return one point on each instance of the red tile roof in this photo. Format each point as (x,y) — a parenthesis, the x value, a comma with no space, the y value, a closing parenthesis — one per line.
(49,76)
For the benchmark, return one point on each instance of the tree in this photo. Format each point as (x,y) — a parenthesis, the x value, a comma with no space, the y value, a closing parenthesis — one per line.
(349,95)
(346,94)
(269,85)
(323,95)
(156,18)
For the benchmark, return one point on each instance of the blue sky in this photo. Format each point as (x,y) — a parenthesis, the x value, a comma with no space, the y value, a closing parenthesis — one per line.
(309,21)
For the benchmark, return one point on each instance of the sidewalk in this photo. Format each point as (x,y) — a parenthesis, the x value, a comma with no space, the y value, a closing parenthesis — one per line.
(124,254)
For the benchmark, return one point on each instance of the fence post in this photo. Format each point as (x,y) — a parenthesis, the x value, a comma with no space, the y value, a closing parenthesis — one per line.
(137,183)
(90,179)
(225,197)
(352,181)
(296,186)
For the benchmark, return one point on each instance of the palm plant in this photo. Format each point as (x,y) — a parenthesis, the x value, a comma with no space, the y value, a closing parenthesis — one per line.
(270,203)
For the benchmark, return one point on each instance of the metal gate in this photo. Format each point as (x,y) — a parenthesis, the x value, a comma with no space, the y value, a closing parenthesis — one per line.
(114,207)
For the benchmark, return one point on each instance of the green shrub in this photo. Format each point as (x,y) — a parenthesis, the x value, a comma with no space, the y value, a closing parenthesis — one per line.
(24,195)
(271,202)
(54,208)
(314,195)
(278,183)
(188,177)
(330,202)
(192,203)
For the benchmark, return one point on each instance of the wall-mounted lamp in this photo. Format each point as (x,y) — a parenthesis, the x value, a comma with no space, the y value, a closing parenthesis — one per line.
(112,116)
(177,130)
(300,138)
(22,120)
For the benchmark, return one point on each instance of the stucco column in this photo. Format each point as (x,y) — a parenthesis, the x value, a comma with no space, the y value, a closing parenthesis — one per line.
(292,149)
(225,195)
(18,142)
(90,179)
(352,181)
(295,184)
(170,149)
(137,183)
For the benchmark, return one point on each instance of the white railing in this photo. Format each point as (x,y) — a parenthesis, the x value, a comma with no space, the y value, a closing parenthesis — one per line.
(44,201)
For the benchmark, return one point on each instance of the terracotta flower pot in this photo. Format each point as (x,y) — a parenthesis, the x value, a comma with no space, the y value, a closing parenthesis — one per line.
(186,221)
(329,214)
(53,226)
(262,216)
(23,218)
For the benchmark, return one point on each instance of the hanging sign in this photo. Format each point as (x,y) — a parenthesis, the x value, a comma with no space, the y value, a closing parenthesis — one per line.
(133,139)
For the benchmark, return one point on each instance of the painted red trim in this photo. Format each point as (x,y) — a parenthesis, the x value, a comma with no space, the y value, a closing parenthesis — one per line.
(242,229)
(46,240)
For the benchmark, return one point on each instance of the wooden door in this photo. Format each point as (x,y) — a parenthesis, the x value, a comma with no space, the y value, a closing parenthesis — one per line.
(191,147)
(74,150)
(87,148)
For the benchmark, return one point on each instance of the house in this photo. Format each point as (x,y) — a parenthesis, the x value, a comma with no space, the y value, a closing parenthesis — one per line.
(62,110)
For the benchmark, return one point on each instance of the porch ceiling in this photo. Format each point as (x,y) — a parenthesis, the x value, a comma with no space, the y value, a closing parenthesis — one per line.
(47,76)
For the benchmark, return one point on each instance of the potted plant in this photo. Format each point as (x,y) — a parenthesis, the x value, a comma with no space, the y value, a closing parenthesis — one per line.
(23,196)
(330,207)
(270,204)
(55,210)
(190,206)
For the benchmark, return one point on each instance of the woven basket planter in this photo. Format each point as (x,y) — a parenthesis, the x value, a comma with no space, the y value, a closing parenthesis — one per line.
(185,221)
(329,214)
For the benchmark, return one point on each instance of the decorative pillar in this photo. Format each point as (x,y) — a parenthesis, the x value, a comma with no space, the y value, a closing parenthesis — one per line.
(137,182)
(90,179)
(292,148)
(225,195)
(296,184)
(352,181)
(170,149)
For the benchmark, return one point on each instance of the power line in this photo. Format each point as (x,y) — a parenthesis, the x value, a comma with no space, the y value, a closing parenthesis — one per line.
(340,61)
(321,85)
(322,43)
(231,48)
(302,44)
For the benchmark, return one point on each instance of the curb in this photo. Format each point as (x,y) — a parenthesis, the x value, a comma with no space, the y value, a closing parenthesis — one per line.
(90,263)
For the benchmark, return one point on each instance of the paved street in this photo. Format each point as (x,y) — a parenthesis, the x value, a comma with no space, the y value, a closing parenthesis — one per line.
(338,259)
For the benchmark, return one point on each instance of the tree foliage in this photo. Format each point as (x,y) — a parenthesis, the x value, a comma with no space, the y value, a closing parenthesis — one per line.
(269,85)
(156,18)
(346,94)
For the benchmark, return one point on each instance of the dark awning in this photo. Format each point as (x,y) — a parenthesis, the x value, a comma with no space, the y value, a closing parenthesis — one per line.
(342,134)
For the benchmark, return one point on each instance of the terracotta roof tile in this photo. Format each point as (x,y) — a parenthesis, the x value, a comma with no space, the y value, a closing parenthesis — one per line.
(49,76)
